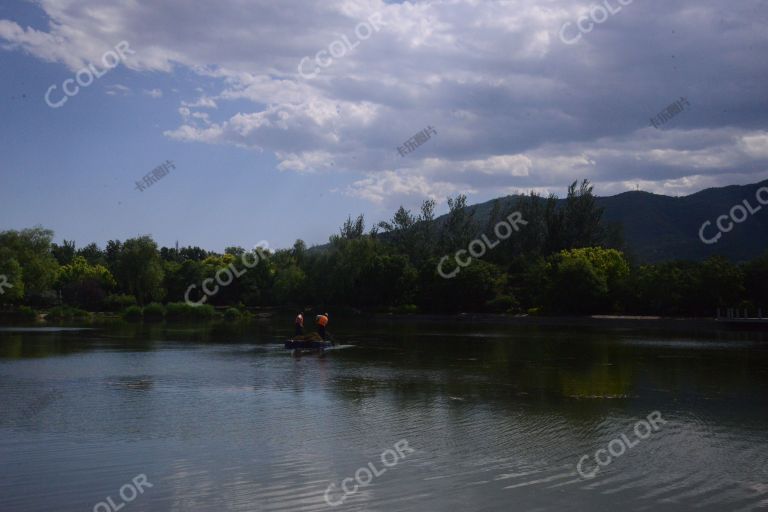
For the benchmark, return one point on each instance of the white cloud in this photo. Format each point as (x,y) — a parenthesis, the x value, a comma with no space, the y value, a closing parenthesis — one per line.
(202,102)
(510,165)
(153,93)
(402,184)
(118,90)
(305,162)
(755,145)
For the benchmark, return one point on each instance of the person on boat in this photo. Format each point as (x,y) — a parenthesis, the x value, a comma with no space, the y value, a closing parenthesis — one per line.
(322,321)
(299,322)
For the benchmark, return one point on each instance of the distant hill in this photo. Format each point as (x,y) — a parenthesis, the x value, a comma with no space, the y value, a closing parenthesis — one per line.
(660,228)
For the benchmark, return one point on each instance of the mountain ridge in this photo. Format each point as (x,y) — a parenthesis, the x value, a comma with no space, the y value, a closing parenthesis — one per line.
(657,227)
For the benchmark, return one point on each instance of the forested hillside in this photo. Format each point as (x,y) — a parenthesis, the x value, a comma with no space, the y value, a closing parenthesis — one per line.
(659,228)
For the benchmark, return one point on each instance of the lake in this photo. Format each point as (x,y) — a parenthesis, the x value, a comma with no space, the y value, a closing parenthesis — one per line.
(413,416)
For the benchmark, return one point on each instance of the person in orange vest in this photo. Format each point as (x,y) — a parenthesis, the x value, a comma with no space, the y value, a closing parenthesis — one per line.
(299,322)
(322,321)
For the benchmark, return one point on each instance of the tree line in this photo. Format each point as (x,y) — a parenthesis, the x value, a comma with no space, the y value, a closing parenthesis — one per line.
(565,260)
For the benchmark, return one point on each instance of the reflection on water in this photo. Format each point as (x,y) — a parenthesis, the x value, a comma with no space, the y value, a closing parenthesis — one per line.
(224,419)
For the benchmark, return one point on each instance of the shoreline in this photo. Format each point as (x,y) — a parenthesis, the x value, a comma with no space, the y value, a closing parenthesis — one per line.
(593,321)
(690,324)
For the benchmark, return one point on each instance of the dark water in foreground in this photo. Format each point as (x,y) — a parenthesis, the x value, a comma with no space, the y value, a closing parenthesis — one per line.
(498,418)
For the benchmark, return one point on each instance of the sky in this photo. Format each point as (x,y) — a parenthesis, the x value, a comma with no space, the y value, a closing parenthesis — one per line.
(283,117)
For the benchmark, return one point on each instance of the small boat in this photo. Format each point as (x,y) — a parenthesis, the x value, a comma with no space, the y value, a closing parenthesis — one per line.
(299,347)
(307,345)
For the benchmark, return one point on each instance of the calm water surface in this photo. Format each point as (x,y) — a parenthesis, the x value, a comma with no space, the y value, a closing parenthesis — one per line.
(223,419)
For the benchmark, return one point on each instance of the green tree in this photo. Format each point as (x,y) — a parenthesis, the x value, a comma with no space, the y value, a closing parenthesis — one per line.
(352,229)
(575,287)
(83,284)
(256,286)
(469,290)
(665,288)
(234,250)
(756,282)
(386,281)
(425,233)
(290,285)
(179,277)
(218,267)
(582,217)
(93,254)
(609,263)
(721,285)
(412,235)
(687,287)
(65,252)
(586,280)
(299,251)
(31,248)
(193,253)
(140,270)
(532,241)
(11,279)
(112,255)
(458,229)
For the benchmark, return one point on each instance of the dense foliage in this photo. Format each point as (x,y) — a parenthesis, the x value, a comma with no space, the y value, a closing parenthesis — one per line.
(564,260)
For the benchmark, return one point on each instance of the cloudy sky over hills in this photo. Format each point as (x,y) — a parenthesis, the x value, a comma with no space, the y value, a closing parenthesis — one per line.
(268,144)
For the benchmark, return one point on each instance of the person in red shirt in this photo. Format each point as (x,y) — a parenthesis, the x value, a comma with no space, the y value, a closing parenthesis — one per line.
(322,321)
(299,322)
